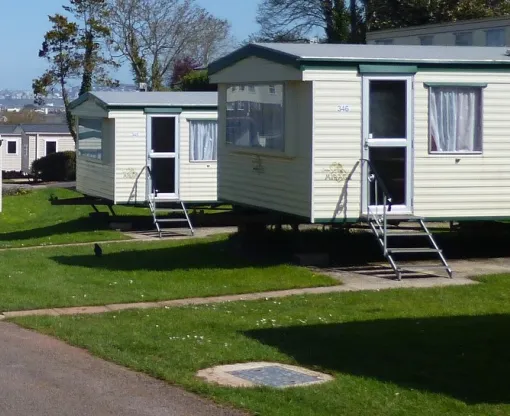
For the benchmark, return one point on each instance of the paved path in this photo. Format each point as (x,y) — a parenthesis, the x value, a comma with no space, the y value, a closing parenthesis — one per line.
(41,376)
(351,282)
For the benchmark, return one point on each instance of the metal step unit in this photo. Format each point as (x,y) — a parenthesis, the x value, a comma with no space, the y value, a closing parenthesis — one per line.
(160,206)
(392,240)
(159,221)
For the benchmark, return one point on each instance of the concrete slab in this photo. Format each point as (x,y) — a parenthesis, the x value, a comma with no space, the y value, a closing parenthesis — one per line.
(232,375)
(41,376)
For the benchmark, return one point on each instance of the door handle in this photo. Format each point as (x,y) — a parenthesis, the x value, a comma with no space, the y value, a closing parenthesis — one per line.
(365,145)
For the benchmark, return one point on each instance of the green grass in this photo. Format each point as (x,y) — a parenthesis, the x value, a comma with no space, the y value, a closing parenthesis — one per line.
(30,219)
(135,272)
(440,351)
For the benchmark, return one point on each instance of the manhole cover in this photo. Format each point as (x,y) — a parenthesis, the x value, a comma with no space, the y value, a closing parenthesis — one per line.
(263,374)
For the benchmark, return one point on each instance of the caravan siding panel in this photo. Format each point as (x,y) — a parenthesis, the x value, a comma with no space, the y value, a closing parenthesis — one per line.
(130,156)
(197,180)
(256,70)
(337,145)
(97,177)
(457,186)
(281,182)
(65,142)
(94,178)
(11,161)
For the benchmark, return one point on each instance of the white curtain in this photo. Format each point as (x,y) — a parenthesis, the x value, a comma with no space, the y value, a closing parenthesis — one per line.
(455,120)
(204,140)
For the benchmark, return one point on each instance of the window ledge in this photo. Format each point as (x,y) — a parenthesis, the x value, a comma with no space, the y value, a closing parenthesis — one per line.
(91,159)
(204,162)
(456,154)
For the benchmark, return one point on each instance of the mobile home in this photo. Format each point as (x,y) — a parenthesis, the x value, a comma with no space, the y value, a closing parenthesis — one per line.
(136,147)
(11,134)
(366,132)
(39,140)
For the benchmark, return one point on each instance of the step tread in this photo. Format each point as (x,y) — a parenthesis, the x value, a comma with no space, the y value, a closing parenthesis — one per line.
(390,217)
(413,250)
(403,233)
(163,220)
(430,266)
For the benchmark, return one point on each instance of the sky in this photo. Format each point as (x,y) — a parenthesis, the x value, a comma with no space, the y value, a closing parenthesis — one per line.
(24,23)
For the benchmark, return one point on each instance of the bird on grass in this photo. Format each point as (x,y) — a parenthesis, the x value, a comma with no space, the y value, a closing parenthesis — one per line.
(98,251)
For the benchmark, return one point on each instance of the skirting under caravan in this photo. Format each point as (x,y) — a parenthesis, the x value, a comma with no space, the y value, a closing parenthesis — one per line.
(135,147)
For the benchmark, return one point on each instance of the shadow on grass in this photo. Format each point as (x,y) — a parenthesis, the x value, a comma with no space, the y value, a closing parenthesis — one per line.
(69,227)
(464,357)
(273,247)
(206,255)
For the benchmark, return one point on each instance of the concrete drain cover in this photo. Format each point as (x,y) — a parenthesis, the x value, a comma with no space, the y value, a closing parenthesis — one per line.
(263,374)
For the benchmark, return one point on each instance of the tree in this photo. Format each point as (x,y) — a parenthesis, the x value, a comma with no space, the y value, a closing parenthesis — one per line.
(23,116)
(92,14)
(299,18)
(196,81)
(60,49)
(182,67)
(384,14)
(153,34)
(73,51)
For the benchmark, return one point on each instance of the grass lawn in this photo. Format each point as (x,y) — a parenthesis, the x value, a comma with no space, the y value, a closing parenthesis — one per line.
(136,272)
(441,351)
(30,219)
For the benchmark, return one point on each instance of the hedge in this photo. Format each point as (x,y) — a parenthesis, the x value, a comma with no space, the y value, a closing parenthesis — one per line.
(60,166)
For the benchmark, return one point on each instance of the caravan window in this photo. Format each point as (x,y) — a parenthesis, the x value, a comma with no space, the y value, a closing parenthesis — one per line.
(90,137)
(455,120)
(12,147)
(203,140)
(257,120)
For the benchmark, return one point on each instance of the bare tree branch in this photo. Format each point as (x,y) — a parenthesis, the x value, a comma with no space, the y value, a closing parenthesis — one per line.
(153,34)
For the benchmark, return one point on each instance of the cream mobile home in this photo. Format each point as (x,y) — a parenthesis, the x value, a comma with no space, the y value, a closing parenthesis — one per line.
(349,133)
(39,140)
(147,147)
(11,134)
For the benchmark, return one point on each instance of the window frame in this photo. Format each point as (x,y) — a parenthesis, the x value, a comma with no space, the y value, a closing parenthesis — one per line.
(438,153)
(495,29)
(431,37)
(251,87)
(191,120)
(78,150)
(46,141)
(16,153)
(470,33)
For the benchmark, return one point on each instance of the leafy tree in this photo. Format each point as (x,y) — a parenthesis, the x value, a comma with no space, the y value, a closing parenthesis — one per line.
(197,81)
(153,34)
(73,50)
(183,67)
(385,14)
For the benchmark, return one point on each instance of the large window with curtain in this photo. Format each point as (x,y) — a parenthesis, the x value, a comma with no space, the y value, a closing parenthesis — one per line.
(203,140)
(255,116)
(90,137)
(455,119)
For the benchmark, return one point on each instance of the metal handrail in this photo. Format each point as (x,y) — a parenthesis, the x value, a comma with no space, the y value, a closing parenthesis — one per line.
(379,181)
(149,171)
(373,176)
